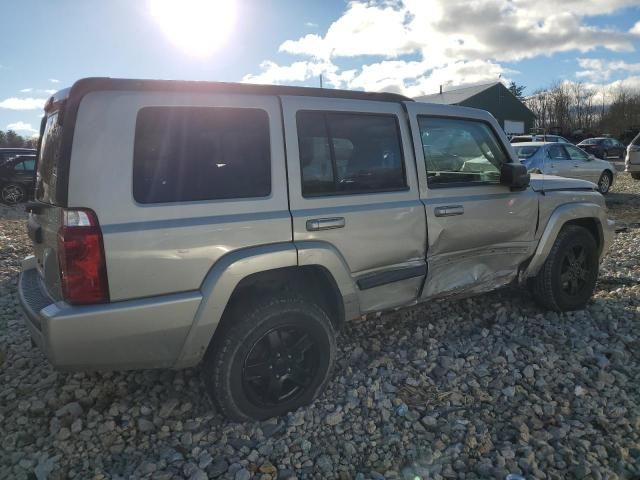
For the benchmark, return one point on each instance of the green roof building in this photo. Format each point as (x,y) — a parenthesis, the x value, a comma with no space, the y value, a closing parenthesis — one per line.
(512,114)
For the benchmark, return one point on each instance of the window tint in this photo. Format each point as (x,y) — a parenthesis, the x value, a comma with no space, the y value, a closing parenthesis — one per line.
(50,151)
(557,152)
(460,151)
(343,153)
(576,154)
(201,153)
(27,165)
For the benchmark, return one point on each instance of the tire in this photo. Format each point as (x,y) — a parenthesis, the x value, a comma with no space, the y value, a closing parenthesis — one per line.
(635,176)
(605,155)
(604,183)
(285,344)
(561,287)
(13,193)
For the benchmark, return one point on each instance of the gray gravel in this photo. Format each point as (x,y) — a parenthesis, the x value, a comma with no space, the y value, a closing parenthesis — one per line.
(467,389)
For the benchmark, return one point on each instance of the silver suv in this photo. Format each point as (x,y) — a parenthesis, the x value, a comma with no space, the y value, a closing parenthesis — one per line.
(239,226)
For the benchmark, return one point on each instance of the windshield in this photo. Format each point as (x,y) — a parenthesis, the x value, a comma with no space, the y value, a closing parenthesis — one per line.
(526,151)
(48,158)
(590,141)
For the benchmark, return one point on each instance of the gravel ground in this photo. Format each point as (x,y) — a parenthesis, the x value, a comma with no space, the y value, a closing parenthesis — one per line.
(468,389)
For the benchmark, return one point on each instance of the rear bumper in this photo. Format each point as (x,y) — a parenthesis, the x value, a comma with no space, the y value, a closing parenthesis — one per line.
(143,333)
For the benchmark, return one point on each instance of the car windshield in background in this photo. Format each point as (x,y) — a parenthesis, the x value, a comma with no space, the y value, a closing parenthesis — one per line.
(590,141)
(525,152)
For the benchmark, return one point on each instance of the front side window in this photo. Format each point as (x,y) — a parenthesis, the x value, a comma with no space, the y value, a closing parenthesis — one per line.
(201,153)
(346,153)
(460,151)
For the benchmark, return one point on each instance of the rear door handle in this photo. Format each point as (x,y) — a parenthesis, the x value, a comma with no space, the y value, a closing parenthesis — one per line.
(316,224)
(449,211)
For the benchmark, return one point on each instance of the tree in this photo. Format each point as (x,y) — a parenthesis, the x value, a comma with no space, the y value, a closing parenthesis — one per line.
(11,139)
(517,90)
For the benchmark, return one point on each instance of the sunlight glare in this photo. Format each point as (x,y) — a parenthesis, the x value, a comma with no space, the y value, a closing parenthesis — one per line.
(198,27)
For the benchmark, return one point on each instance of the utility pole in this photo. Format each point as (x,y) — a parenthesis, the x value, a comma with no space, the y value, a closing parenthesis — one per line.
(320,80)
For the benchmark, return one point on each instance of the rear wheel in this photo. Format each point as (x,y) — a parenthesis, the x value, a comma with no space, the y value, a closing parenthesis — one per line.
(273,357)
(567,278)
(13,193)
(604,184)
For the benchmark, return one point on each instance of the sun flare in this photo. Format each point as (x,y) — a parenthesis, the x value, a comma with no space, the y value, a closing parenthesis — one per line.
(198,27)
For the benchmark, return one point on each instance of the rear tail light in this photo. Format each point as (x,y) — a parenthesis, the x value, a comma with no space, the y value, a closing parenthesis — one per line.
(83,271)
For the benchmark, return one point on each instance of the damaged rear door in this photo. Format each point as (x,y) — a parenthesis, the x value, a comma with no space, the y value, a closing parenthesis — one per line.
(479,231)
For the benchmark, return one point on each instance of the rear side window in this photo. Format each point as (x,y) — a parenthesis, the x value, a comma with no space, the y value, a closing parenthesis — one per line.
(345,153)
(526,152)
(186,154)
(48,160)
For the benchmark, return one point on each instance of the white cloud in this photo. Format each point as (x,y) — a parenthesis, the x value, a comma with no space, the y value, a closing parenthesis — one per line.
(635,29)
(50,91)
(599,70)
(416,45)
(54,80)
(310,24)
(21,127)
(26,90)
(15,103)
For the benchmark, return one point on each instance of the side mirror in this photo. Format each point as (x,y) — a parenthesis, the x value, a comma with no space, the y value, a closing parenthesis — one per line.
(515,176)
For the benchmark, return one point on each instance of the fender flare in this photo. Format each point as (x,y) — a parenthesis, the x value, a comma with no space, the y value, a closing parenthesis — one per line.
(559,217)
(230,270)
(324,254)
(218,286)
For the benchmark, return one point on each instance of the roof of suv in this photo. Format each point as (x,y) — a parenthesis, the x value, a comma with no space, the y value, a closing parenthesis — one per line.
(91,84)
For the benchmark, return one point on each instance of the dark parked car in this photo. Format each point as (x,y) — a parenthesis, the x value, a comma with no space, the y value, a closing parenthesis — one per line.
(9,153)
(17,178)
(603,147)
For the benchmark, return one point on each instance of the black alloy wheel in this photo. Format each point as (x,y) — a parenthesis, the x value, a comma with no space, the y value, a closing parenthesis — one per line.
(280,366)
(269,357)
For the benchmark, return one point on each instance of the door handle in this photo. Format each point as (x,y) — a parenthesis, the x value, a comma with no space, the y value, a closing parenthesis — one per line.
(325,224)
(449,211)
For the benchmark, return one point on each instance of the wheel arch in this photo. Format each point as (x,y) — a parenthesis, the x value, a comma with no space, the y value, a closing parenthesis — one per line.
(588,215)
(309,269)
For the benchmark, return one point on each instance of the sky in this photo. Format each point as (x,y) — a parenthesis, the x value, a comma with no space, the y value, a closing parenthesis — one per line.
(411,46)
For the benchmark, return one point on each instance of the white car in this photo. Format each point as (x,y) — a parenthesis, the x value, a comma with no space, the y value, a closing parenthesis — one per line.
(632,160)
(566,160)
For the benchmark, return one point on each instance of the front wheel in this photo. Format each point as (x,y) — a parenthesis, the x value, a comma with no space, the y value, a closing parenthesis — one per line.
(273,357)
(13,193)
(604,184)
(567,278)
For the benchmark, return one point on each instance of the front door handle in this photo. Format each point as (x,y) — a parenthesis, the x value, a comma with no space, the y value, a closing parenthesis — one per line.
(449,211)
(325,224)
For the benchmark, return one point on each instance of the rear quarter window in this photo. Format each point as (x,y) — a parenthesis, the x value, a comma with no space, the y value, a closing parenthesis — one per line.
(184,154)
(48,160)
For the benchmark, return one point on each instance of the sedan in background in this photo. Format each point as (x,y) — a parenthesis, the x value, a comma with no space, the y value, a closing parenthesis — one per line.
(566,160)
(538,138)
(604,147)
(17,177)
